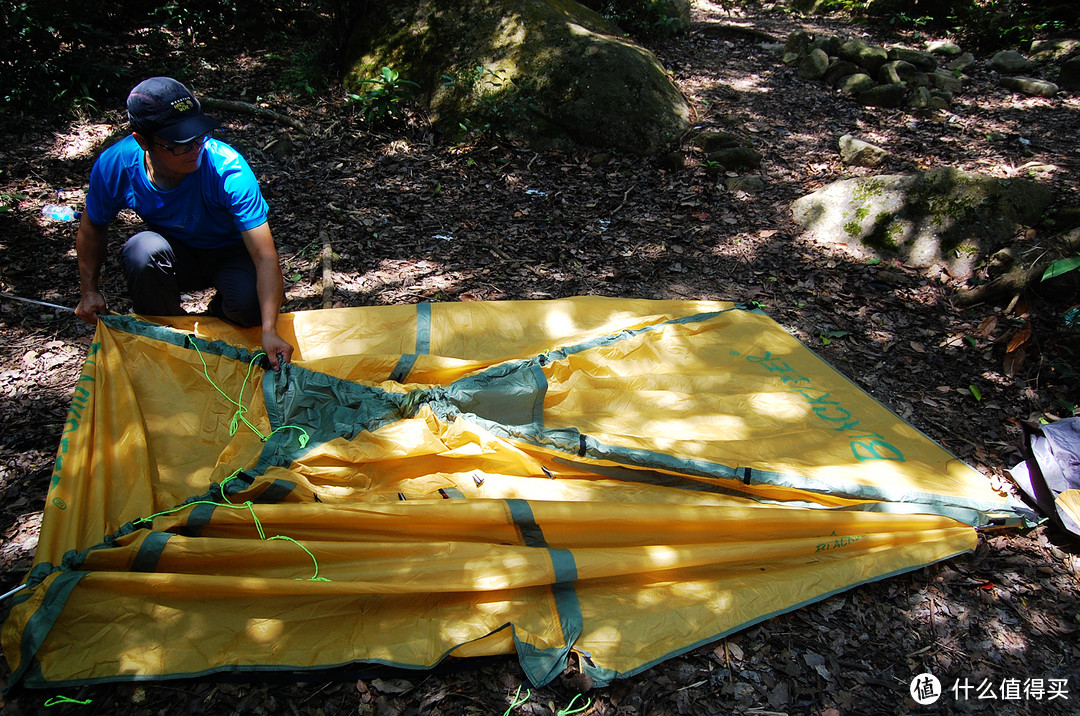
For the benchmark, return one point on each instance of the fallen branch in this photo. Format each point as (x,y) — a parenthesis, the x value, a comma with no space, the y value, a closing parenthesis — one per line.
(1016,281)
(228,105)
(327,275)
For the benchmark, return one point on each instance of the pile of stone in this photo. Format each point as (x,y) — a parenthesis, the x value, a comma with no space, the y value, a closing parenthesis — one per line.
(876,76)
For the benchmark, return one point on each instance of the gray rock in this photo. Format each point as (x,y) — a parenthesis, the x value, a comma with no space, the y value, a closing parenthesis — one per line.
(923,60)
(797,45)
(1070,74)
(920,98)
(813,65)
(940,216)
(961,62)
(893,72)
(940,99)
(1055,49)
(853,85)
(856,152)
(736,158)
(1030,86)
(869,57)
(943,47)
(899,72)
(882,96)
(1009,62)
(712,141)
(830,43)
(945,81)
(748,184)
(838,70)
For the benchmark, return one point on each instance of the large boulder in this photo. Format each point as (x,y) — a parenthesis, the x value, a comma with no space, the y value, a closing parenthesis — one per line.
(546,71)
(942,216)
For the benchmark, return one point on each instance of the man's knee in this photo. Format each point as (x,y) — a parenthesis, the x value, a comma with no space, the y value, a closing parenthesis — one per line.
(150,267)
(147,251)
(241,309)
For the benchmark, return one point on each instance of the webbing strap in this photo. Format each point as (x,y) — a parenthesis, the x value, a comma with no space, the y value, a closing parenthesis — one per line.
(150,551)
(542,665)
(423,344)
(41,622)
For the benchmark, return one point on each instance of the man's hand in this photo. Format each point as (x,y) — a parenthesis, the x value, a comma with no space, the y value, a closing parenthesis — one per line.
(91,305)
(90,247)
(271,289)
(277,349)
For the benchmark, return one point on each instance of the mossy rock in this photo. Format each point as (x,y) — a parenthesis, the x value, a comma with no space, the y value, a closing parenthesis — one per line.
(712,141)
(942,216)
(736,158)
(544,71)
(869,57)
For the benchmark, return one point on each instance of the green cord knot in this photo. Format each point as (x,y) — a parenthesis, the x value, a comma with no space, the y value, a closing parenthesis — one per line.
(57,700)
(515,702)
(239,415)
(569,707)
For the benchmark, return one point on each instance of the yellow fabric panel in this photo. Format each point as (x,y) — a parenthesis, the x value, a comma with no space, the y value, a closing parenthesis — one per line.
(746,396)
(618,520)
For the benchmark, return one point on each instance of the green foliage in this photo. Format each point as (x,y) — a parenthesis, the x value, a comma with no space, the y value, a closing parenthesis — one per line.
(386,99)
(646,18)
(501,101)
(67,56)
(48,54)
(304,72)
(9,202)
(196,19)
(1061,266)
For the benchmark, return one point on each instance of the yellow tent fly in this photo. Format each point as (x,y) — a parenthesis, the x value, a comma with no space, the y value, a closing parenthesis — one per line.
(622,479)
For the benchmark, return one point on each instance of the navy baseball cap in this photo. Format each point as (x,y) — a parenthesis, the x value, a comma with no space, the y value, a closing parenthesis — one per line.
(163,107)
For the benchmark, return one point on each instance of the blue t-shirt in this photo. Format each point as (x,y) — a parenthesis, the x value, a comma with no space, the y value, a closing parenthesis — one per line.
(208,209)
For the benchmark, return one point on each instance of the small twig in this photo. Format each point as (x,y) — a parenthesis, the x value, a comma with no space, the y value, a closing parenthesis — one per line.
(624,198)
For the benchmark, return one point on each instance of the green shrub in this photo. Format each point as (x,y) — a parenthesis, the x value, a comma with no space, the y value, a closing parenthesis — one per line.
(648,18)
(387,97)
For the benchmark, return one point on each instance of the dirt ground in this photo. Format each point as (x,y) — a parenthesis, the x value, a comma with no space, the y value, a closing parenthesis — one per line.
(411,218)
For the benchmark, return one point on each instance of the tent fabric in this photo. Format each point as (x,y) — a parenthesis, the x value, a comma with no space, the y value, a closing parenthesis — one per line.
(618,480)
(1050,474)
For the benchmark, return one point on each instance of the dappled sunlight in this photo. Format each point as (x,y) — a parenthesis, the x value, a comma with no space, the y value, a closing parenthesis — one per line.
(398,147)
(750,83)
(264,630)
(781,406)
(81,140)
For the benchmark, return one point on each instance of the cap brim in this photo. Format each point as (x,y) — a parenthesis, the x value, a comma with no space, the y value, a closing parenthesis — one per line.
(189,129)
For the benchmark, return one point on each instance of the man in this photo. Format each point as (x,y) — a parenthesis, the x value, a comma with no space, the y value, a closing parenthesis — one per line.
(207,218)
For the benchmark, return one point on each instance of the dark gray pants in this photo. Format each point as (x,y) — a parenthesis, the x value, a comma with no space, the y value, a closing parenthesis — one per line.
(158,270)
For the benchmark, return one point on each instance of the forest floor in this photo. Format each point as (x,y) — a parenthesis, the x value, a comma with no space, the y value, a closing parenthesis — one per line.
(413,218)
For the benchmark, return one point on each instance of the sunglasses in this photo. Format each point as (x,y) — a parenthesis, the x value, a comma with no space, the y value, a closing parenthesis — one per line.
(182,149)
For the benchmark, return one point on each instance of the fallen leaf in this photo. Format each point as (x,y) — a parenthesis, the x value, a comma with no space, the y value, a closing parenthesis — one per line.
(392,686)
(1019,339)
